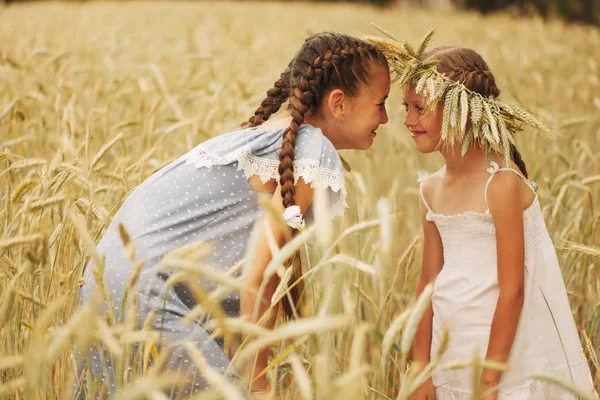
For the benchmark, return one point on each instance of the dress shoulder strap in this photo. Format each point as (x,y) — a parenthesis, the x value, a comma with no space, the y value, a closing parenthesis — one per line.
(422,178)
(495,168)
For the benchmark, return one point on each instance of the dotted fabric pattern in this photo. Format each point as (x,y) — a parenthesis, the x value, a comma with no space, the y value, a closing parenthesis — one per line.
(205,196)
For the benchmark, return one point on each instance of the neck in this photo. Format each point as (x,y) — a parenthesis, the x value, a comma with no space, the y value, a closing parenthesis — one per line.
(328,127)
(456,164)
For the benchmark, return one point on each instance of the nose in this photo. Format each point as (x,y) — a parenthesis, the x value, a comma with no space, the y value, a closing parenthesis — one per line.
(384,117)
(410,118)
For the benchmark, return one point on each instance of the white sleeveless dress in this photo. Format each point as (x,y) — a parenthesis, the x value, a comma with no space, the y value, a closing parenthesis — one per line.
(465,296)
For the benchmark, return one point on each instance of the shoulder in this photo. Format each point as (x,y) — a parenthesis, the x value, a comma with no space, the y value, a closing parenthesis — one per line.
(505,193)
(318,163)
(257,139)
(312,146)
(428,185)
(430,182)
(312,143)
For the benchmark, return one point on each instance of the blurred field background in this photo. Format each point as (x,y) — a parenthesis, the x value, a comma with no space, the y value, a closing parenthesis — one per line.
(95,97)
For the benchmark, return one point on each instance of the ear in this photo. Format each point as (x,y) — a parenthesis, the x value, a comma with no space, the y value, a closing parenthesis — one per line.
(336,103)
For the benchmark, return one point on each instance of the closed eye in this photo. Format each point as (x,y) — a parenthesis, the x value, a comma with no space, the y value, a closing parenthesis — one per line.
(420,110)
(382,104)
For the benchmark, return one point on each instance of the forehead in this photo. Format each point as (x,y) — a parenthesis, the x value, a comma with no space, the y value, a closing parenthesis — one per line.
(411,95)
(379,80)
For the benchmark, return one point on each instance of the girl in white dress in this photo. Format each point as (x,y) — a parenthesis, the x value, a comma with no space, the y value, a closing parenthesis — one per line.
(498,287)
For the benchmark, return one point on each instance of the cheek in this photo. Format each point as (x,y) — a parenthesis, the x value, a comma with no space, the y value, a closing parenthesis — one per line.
(430,142)
(434,141)
(432,123)
(362,122)
(434,136)
(427,144)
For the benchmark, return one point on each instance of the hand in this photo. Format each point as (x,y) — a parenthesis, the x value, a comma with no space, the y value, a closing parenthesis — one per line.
(493,396)
(425,392)
(486,386)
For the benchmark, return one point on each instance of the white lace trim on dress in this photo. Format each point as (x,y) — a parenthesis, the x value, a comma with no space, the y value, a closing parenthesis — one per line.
(267,169)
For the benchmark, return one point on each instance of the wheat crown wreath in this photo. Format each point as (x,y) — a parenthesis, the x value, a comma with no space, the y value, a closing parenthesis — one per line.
(493,124)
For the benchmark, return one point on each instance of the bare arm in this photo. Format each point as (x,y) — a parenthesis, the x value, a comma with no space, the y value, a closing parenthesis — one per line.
(433,261)
(506,206)
(303,197)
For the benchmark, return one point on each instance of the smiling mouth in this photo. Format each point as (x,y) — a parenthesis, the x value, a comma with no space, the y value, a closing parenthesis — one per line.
(416,134)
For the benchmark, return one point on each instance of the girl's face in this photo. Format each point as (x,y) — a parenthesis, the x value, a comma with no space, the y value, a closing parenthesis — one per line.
(366,111)
(425,126)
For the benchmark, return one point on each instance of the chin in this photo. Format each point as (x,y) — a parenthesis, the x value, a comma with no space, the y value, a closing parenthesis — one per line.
(425,149)
(367,146)
(361,145)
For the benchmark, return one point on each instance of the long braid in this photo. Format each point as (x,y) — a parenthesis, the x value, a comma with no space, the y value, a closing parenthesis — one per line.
(302,97)
(516,156)
(288,145)
(276,96)
(326,61)
(329,67)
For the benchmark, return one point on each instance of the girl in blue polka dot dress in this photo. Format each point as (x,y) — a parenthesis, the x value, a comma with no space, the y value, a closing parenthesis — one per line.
(336,86)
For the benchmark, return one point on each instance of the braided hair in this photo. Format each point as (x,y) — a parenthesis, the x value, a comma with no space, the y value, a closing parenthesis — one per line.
(276,96)
(326,61)
(466,66)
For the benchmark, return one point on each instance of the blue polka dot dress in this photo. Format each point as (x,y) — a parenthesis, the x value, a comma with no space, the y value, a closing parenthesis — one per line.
(205,195)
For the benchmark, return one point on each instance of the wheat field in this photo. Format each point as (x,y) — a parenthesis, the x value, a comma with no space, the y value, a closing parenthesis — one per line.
(95,97)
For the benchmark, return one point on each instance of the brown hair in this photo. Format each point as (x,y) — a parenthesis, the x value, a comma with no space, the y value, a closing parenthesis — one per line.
(466,66)
(326,61)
